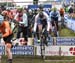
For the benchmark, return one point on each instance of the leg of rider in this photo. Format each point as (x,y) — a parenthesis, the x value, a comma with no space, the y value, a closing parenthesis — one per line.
(57,28)
(8,46)
(40,31)
(8,52)
(50,30)
(52,22)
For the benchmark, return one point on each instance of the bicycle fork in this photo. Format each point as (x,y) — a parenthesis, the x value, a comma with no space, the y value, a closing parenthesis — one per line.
(42,49)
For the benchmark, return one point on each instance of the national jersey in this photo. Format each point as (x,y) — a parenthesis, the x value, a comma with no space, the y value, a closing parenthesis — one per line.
(54,15)
(62,11)
(5,29)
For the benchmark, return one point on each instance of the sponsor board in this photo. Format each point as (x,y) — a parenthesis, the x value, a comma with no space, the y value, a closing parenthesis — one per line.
(67,50)
(23,50)
(65,41)
(70,23)
(49,51)
(50,42)
(57,51)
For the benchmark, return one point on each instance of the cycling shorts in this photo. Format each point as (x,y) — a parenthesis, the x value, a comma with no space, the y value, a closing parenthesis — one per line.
(8,39)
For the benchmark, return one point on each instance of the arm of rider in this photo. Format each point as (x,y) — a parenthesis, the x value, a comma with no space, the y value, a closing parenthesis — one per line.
(48,21)
(35,24)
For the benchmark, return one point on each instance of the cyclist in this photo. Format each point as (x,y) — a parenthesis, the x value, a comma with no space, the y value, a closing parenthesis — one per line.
(62,12)
(41,21)
(6,34)
(54,17)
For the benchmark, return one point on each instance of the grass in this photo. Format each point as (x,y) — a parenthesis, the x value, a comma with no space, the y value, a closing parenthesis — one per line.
(52,59)
(65,32)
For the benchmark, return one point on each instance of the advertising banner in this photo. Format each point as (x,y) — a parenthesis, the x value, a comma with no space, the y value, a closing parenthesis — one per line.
(57,51)
(70,22)
(73,25)
(49,51)
(67,50)
(50,42)
(36,6)
(65,41)
(23,50)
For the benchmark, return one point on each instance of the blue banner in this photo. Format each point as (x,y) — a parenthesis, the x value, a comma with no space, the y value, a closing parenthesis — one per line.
(2,50)
(36,6)
(70,22)
(50,42)
(23,50)
(65,41)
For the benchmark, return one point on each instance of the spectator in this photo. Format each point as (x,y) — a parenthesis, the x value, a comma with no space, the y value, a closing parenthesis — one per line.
(23,25)
(7,35)
(30,22)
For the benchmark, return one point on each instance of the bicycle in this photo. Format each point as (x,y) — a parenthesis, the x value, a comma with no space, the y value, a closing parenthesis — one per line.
(43,42)
(43,38)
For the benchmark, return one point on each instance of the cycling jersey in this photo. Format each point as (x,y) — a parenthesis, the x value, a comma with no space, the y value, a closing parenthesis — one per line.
(54,15)
(61,12)
(5,29)
(39,21)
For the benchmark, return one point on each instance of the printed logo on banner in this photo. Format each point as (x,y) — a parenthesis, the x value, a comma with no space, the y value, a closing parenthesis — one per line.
(67,50)
(49,51)
(65,41)
(23,50)
(72,50)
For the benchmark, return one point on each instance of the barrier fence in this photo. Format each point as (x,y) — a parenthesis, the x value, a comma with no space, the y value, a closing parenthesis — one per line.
(62,47)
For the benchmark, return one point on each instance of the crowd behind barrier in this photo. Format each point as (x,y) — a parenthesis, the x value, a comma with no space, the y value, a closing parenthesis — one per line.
(29,50)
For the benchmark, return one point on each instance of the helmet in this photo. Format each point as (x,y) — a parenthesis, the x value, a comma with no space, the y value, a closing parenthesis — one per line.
(41,14)
(41,6)
(54,9)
